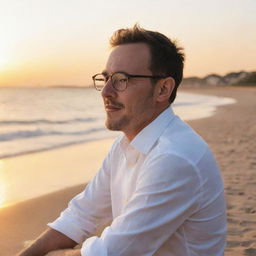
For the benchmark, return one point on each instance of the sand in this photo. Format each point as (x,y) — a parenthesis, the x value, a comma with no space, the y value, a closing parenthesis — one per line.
(231,134)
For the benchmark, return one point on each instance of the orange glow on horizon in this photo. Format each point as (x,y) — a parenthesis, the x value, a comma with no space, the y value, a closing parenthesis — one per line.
(65,45)
(73,70)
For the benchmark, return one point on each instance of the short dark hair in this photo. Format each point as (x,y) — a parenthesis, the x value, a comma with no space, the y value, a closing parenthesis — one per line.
(167,58)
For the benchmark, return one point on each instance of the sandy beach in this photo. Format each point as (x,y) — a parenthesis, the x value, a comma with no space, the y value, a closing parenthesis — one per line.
(231,135)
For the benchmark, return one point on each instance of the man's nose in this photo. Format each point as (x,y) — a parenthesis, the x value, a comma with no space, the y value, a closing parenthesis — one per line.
(108,90)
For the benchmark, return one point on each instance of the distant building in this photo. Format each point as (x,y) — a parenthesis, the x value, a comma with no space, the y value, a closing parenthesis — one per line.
(213,79)
(233,78)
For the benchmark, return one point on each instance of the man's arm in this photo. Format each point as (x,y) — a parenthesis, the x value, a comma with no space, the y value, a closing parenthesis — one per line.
(48,241)
(87,212)
(166,194)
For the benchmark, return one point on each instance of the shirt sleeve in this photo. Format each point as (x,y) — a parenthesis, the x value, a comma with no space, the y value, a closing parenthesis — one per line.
(166,194)
(89,210)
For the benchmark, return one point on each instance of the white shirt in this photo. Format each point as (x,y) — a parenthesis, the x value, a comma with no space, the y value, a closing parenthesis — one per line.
(161,194)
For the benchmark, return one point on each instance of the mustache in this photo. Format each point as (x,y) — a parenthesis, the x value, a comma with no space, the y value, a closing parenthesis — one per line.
(113,103)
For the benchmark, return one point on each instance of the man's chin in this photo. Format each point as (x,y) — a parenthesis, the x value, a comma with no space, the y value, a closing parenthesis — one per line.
(115,125)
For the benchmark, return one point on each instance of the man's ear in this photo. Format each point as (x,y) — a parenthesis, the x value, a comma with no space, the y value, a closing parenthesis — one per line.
(164,89)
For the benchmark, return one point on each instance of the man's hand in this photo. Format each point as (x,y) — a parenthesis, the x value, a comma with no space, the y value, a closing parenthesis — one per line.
(66,252)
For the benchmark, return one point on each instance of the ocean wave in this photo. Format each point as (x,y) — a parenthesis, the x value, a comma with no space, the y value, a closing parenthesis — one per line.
(40,132)
(55,146)
(182,104)
(47,121)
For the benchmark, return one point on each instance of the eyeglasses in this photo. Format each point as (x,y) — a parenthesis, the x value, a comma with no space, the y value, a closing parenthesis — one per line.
(119,80)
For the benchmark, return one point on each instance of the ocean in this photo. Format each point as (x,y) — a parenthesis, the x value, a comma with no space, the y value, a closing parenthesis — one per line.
(38,119)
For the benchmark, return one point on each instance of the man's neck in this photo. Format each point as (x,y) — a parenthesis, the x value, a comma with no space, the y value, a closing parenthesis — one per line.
(130,135)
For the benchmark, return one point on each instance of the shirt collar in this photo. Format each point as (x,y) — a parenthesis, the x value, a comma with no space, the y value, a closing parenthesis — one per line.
(147,137)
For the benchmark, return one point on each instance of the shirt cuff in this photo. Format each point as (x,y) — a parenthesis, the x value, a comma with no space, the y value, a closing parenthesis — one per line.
(94,246)
(70,229)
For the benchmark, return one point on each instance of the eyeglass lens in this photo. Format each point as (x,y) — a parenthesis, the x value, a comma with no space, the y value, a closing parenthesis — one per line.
(119,81)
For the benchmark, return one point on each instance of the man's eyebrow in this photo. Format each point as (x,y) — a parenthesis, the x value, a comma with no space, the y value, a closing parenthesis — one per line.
(104,72)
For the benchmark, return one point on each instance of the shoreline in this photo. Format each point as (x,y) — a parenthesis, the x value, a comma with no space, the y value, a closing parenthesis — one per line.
(20,137)
(50,170)
(13,178)
(230,132)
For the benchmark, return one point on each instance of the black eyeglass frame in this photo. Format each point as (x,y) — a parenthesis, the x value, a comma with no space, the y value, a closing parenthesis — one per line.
(127,75)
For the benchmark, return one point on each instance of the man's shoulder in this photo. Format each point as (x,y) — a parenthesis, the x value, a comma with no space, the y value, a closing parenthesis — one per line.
(181,140)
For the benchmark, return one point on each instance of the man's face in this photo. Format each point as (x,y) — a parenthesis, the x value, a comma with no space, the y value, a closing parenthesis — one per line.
(133,109)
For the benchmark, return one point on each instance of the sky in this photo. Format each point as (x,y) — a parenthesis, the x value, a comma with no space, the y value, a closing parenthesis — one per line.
(63,42)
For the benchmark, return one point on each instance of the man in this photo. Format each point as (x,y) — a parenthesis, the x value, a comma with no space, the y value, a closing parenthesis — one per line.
(159,190)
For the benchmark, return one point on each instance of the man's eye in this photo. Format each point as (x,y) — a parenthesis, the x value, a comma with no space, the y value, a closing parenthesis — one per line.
(123,80)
